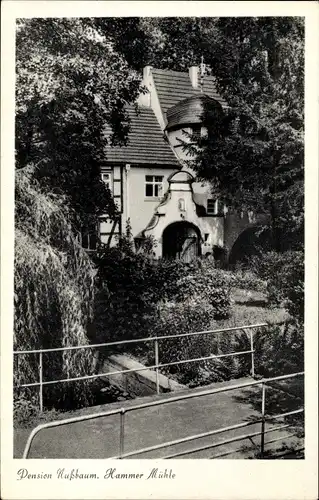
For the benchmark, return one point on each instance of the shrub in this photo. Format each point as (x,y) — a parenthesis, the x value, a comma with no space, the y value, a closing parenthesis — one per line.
(207,288)
(127,292)
(138,275)
(248,280)
(134,283)
(194,316)
(26,411)
(130,285)
(284,275)
(202,282)
(279,350)
(25,408)
(166,274)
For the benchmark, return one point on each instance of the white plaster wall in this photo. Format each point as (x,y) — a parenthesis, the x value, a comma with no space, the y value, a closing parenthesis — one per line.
(174,138)
(150,99)
(136,206)
(170,213)
(141,208)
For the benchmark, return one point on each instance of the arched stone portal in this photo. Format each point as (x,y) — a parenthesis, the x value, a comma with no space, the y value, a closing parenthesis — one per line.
(180,226)
(250,242)
(181,240)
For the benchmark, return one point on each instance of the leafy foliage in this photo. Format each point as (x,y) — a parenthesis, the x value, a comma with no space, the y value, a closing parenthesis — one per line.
(54,288)
(148,297)
(279,350)
(133,283)
(70,83)
(284,275)
(193,316)
(163,42)
(24,408)
(246,279)
(140,297)
(130,284)
(208,285)
(254,151)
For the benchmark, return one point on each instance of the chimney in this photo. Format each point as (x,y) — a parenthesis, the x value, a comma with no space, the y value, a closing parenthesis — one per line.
(145,99)
(193,75)
(147,72)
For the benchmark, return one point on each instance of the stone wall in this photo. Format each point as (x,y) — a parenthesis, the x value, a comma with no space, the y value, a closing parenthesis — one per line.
(138,383)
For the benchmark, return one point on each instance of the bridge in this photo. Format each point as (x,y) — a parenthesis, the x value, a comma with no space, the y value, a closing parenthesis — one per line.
(217,422)
(243,418)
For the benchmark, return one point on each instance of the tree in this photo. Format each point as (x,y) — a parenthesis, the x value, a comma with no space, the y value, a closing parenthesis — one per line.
(254,152)
(53,290)
(70,82)
(163,42)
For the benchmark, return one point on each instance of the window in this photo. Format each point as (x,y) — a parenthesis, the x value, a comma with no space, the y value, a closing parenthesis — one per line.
(153,186)
(212,206)
(107,179)
(181,205)
(89,238)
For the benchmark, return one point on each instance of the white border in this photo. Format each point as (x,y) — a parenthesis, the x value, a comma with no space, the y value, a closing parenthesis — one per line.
(196,479)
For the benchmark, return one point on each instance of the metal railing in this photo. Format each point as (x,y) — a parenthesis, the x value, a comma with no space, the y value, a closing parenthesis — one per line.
(122,412)
(156,366)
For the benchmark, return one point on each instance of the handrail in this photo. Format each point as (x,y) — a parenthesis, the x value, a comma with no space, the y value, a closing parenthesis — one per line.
(163,365)
(122,411)
(156,366)
(225,441)
(146,339)
(197,436)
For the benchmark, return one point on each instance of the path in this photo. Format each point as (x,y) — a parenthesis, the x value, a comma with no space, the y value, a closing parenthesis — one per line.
(146,427)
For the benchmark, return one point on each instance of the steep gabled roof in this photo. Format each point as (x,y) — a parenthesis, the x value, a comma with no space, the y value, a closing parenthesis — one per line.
(175,86)
(146,144)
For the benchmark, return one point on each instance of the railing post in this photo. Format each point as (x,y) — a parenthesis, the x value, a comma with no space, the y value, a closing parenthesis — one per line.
(156,369)
(252,353)
(41,382)
(263,420)
(122,429)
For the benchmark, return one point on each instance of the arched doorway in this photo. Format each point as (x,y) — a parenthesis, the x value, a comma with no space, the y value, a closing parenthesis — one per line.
(181,240)
(251,241)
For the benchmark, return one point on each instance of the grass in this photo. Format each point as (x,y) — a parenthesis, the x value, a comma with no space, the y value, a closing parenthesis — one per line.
(250,307)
